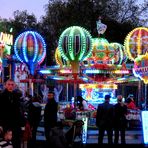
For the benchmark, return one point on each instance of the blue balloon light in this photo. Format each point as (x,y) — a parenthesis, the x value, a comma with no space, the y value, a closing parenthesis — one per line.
(30,48)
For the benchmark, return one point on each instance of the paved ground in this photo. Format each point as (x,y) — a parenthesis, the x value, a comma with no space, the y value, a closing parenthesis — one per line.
(42,145)
(133,137)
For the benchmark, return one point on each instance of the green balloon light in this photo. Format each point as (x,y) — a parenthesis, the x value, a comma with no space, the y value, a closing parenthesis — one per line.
(75,45)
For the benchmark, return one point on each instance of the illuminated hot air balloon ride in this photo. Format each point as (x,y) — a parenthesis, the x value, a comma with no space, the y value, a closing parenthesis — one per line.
(75,45)
(136,44)
(30,48)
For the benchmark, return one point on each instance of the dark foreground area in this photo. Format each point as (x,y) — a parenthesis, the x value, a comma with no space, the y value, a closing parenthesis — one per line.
(42,144)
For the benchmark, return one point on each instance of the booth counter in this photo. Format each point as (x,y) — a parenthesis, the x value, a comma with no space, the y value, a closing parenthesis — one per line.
(133,117)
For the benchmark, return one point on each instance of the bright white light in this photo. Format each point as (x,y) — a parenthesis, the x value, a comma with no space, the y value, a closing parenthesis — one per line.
(145,126)
(45,71)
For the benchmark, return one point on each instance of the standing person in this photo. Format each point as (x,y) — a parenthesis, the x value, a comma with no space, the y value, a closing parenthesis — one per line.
(120,111)
(82,103)
(104,120)
(130,102)
(50,115)
(34,118)
(10,113)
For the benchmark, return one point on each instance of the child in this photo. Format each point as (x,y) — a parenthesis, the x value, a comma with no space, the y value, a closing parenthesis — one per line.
(6,141)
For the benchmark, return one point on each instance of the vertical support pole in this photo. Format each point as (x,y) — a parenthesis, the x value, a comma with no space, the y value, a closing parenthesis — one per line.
(75,94)
(139,92)
(75,88)
(67,94)
(3,75)
(123,88)
(145,96)
(31,87)
(10,69)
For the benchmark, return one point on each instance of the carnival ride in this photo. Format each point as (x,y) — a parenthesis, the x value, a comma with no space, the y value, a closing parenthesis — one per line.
(89,61)
(85,60)
(30,49)
(136,43)
(94,63)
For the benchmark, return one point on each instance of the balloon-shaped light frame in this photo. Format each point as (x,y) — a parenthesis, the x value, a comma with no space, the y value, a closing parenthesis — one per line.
(135,41)
(75,45)
(71,35)
(100,45)
(59,59)
(120,53)
(30,48)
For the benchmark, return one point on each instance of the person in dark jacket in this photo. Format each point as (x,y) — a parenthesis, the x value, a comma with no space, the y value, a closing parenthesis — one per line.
(120,111)
(34,118)
(50,115)
(104,120)
(10,112)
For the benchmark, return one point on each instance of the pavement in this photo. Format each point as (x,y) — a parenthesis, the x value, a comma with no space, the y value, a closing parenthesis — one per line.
(134,137)
(42,145)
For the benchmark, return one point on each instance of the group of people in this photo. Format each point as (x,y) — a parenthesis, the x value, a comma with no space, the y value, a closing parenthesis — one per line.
(112,117)
(14,123)
(109,117)
(17,126)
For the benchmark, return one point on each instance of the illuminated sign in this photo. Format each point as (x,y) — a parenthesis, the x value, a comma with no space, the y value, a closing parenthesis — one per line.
(6,38)
(145,126)
(66,71)
(100,86)
(96,71)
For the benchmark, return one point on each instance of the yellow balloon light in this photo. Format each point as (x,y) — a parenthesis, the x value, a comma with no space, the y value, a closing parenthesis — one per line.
(136,42)
(59,59)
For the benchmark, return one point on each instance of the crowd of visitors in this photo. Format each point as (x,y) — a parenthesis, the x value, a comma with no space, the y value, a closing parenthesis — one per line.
(20,118)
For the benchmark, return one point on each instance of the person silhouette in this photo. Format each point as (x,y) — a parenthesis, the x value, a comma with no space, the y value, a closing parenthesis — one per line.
(104,120)
(120,111)
(10,112)
(82,103)
(50,116)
